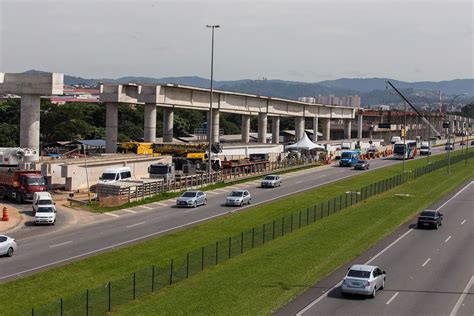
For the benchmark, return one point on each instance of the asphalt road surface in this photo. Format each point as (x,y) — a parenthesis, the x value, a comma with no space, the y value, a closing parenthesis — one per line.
(44,247)
(429,272)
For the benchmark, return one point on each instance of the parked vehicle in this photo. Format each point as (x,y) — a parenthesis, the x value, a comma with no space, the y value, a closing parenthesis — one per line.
(238,197)
(21,184)
(192,199)
(425,149)
(363,279)
(7,246)
(371,153)
(165,171)
(449,146)
(405,149)
(45,215)
(114,174)
(42,199)
(395,139)
(349,158)
(430,218)
(362,165)
(271,181)
(472,143)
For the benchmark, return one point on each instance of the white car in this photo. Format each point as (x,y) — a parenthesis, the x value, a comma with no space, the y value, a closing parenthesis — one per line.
(42,199)
(271,181)
(7,246)
(363,279)
(45,215)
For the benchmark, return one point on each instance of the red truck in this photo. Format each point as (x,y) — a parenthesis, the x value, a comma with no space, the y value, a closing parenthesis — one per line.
(21,184)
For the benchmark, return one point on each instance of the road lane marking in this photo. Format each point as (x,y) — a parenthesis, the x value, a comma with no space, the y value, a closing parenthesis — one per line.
(461,298)
(159,203)
(310,305)
(426,262)
(133,225)
(145,207)
(112,214)
(392,298)
(210,192)
(130,211)
(298,181)
(447,239)
(63,243)
(462,223)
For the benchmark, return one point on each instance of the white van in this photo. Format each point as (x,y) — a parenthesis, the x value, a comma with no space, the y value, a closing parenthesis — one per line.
(425,149)
(114,174)
(42,199)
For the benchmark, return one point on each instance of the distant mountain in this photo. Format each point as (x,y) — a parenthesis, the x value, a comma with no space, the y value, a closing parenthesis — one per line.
(370,84)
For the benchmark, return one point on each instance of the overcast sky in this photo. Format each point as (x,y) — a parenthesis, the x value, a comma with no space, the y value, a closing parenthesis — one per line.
(308,41)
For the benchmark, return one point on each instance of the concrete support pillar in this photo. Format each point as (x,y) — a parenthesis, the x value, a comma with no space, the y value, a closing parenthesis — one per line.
(326,129)
(150,123)
(359,126)
(262,128)
(347,128)
(168,117)
(275,129)
(245,128)
(299,128)
(30,122)
(215,126)
(315,128)
(111,127)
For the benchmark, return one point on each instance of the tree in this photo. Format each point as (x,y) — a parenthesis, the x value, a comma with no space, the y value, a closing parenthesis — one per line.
(468,110)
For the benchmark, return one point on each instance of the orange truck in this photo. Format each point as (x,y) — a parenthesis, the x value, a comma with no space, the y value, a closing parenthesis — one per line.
(20,185)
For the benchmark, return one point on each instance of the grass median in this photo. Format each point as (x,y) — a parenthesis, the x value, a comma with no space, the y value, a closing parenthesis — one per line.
(264,279)
(98,270)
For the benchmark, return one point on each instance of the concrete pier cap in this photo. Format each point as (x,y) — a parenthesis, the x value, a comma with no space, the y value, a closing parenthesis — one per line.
(120,93)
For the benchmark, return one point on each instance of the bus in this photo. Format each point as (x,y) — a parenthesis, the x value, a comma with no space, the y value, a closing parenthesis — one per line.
(399,150)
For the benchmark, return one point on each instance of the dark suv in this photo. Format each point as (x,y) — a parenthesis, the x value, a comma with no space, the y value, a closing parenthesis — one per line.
(430,218)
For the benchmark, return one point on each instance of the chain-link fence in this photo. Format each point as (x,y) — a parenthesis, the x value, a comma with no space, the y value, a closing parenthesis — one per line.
(103,299)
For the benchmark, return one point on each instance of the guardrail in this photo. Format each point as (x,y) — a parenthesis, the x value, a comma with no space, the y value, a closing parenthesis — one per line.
(103,299)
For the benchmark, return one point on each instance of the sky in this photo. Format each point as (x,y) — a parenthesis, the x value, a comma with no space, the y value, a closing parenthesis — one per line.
(309,41)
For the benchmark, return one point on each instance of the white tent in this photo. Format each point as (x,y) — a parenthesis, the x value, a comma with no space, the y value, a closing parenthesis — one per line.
(306,144)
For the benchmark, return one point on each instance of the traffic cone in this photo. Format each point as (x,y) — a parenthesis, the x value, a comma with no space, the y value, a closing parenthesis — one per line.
(5,217)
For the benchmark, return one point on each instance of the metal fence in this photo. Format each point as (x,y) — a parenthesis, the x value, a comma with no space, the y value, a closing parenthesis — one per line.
(103,299)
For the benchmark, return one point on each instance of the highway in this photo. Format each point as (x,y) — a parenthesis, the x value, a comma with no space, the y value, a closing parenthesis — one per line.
(429,272)
(44,247)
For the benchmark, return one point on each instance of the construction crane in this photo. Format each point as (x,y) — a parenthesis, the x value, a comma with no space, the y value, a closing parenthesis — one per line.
(438,135)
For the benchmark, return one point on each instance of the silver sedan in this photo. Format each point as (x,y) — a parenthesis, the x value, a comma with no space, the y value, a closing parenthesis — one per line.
(7,246)
(363,279)
(192,199)
(271,181)
(238,197)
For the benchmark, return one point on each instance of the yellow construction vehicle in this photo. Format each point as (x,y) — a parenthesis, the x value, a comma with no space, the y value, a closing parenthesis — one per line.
(136,148)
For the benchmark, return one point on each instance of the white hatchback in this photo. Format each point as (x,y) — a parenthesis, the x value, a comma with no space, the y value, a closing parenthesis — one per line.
(7,246)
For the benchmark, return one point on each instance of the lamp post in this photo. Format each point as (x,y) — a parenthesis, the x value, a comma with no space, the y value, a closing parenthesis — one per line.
(209,127)
(449,131)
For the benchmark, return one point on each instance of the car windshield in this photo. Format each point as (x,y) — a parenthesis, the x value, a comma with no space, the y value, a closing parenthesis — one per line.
(45,202)
(108,176)
(359,274)
(36,181)
(189,194)
(269,178)
(399,149)
(236,193)
(45,210)
(361,161)
(346,155)
(428,213)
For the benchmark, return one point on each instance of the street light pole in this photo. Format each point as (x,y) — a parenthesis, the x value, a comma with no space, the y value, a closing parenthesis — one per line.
(209,127)
(449,131)
(405,137)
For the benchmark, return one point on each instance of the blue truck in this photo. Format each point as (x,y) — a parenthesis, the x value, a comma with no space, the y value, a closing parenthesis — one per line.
(349,158)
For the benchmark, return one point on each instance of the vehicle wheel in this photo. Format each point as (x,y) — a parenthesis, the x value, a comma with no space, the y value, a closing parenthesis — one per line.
(383,284)
(249,201)
(436,226)
(19,199)
(374,292)
(205,201)
(195,204)
(241,203)
(10,252)
(440,223)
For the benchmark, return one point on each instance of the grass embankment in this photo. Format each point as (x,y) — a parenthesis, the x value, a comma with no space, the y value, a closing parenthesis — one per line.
(96,271)
(96,208)
(264,279)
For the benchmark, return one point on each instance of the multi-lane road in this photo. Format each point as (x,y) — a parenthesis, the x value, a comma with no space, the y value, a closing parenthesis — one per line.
(43,247)
(429,272)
